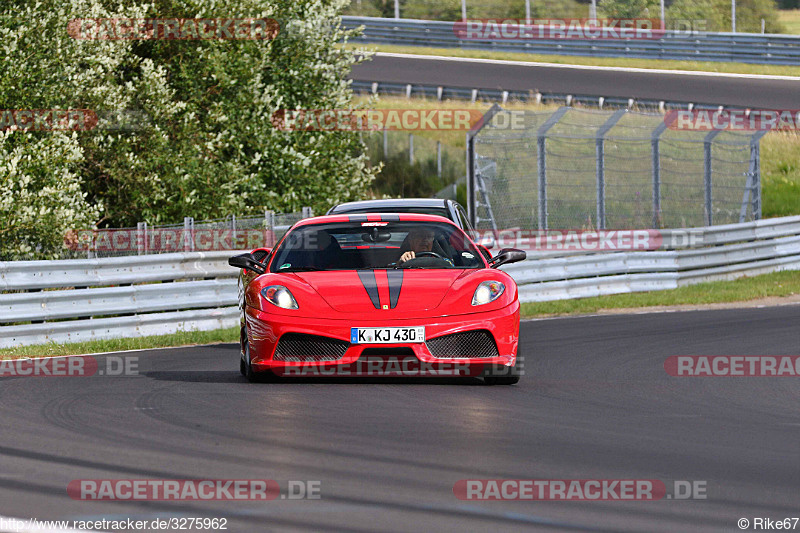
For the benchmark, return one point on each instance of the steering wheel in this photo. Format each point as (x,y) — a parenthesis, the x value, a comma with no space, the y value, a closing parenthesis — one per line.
(428,254)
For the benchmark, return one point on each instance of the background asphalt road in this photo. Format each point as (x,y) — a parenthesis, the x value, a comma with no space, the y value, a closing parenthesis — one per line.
(595,404)
(717,90)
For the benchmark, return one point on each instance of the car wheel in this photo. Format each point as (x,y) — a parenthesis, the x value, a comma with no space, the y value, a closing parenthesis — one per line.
(504,375)
(251,375)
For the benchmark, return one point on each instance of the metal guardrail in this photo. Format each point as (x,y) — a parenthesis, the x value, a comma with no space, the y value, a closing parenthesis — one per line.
(37,275)
(503,96)
(119,327)
(739,47)
(116,297)
(723,253)
(121,296)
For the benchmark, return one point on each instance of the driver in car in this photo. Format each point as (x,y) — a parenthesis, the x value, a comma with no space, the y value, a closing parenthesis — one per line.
(420,240)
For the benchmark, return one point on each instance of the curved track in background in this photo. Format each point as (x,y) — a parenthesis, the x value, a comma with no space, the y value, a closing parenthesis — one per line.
(596,403)
(759,92)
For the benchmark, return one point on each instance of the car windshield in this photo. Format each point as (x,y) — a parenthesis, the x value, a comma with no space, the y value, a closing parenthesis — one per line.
(375,245)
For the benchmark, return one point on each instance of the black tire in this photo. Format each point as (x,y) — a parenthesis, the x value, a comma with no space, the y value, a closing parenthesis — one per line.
(504,375)
(251,375)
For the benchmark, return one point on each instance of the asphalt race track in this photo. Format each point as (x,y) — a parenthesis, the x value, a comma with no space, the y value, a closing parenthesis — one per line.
(596,403)
(753,91)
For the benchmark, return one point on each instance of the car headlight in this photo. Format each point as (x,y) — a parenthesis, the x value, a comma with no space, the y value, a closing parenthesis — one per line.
(487,291)
(280,296)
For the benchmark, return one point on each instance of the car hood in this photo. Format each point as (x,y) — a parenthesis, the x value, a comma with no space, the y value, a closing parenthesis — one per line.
(399,291)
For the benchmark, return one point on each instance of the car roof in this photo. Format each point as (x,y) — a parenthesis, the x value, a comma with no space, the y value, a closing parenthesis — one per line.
(373,217)
(389,204)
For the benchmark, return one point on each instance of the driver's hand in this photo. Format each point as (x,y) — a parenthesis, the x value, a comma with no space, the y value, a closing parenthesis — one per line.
(407,256)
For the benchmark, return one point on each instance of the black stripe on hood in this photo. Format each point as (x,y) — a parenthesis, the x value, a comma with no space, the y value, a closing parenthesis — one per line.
(370,283)
(395,285)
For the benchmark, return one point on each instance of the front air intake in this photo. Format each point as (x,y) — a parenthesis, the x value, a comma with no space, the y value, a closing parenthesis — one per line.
(299,347)
(478,344)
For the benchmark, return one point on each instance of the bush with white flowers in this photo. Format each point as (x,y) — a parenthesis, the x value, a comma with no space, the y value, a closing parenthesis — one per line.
(201,142)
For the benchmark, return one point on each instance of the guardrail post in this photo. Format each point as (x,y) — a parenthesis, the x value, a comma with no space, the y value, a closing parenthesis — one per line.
(656,155)
(600,164)
(541,162)
(707,170)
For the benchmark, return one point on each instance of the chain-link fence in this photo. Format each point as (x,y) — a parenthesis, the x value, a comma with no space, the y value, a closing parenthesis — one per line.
(594,169)
(230,233)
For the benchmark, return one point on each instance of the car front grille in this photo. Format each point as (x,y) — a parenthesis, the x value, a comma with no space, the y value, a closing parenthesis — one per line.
(309,348)
(478,344)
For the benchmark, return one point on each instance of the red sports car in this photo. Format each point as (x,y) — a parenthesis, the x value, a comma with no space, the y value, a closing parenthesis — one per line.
(378,295)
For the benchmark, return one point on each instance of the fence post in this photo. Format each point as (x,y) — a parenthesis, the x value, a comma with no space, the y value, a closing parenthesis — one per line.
(472,212)
(541,162)
(707,169)
(385,144)
(439,159)
(307,212)
(411,148)
(269,228)
(141,238)
(233,230)
(753,184)
(757,182)
(656,154)
(188,234)
(89,253)
(600,165)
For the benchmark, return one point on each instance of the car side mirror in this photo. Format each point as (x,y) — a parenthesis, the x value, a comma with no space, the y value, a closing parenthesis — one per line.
(260,254)
(506,256)
(248,262)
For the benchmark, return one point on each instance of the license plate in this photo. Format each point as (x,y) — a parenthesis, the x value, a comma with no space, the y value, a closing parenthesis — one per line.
(387,335)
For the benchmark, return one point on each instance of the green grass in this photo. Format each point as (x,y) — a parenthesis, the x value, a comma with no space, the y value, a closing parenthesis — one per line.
(780,174)
(705,66)
(777,284)
(790,18)
(183,338)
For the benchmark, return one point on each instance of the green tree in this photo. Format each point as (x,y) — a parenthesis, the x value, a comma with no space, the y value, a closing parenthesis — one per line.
(208,147)
(626,9)
(214,150)
(42,185)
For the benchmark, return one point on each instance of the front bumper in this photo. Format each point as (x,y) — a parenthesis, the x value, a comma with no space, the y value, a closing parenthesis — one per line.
(264,331)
